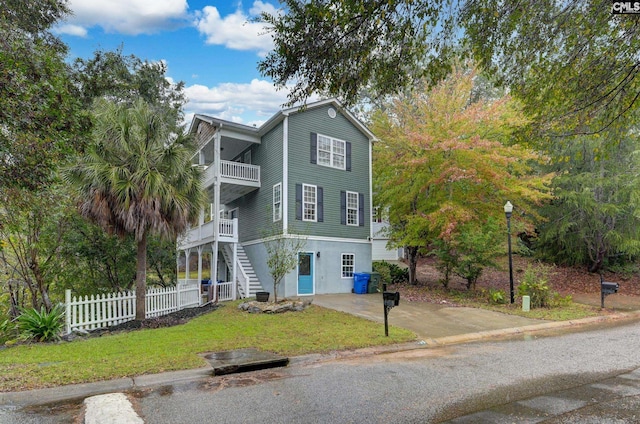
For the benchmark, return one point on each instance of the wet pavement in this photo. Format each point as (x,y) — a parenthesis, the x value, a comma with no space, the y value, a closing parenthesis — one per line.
(427,320)
(614,400)
(434,324)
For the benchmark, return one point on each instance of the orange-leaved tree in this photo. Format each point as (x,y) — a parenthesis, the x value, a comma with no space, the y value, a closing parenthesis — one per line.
(445,165)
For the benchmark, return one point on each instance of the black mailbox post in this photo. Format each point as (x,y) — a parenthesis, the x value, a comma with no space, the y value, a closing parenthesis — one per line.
(607,288)
(390,300)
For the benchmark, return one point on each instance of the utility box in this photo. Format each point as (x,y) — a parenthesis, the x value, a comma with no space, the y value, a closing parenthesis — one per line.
(374,282)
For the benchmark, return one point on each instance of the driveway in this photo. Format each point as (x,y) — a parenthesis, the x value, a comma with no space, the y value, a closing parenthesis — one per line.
(427,320)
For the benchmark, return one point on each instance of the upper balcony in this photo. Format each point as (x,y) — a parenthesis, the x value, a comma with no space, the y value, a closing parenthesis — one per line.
(202,234)
(236,179)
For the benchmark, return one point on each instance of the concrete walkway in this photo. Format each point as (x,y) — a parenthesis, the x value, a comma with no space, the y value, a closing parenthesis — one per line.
(427,320)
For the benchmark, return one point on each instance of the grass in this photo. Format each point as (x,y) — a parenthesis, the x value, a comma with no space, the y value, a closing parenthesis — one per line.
(140,352)
(566,310)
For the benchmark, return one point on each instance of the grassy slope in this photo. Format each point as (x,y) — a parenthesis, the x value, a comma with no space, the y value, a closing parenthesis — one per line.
(177,348)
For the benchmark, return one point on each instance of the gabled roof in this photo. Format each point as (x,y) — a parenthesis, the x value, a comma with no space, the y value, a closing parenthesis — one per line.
(279,117)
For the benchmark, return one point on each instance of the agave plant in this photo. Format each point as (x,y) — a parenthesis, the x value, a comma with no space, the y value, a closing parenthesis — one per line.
(41,325)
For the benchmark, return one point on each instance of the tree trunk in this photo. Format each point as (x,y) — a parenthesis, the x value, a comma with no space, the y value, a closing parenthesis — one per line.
(412,255)
(141,278)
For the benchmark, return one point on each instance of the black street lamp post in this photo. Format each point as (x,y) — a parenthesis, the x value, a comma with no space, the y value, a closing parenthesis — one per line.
(508,208)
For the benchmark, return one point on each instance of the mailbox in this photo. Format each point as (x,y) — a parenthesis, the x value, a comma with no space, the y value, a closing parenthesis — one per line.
(391,299)
(609,288)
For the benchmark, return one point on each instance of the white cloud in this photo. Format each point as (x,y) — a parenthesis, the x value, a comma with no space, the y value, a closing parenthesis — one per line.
(250,104)
(236,31)
(70,29)
(127,16)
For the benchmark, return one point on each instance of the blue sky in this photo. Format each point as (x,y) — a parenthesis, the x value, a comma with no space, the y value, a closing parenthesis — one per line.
(212,46)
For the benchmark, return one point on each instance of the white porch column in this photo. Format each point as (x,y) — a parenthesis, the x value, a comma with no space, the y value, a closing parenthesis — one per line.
(214,261)
(216,205)
(233,271)
(178,253)
(200,264)
(187,254)
(284,196)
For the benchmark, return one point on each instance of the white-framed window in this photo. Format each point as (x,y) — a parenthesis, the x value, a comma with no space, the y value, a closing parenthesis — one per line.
(277,202)
(348,265)
(352,208)
(309,203)
(331,152)
(376,215)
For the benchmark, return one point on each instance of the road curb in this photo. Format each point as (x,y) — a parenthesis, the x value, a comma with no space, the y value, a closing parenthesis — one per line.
(484,335)
(84,390)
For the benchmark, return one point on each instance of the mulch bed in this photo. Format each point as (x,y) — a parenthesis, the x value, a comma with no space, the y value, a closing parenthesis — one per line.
(561,279)
(174,318)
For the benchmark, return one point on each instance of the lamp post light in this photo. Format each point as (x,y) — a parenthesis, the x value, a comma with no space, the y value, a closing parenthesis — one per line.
(508,208)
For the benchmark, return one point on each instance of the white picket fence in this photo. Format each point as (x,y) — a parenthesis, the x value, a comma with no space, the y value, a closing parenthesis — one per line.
(225,291)
(104,310)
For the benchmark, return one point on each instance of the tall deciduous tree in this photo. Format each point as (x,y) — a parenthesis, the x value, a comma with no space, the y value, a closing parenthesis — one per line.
(571,61)
(41,121)
(127,78)
(594,218)
(32,226)
(445,163)
(136,178)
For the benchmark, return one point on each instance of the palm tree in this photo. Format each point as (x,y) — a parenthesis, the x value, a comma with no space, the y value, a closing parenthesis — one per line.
(136,178)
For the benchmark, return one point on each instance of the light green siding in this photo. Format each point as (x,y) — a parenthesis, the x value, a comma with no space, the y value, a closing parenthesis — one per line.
(301,170)
(255,209)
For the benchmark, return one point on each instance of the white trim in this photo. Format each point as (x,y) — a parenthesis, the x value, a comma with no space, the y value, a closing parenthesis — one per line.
(273,202)
(357,208)
(331,152)
(285,175)
(342,265)
(311,238)
(370,192)
(315,203)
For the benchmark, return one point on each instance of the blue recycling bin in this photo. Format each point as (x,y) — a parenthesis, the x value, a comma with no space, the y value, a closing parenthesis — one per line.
(360,282)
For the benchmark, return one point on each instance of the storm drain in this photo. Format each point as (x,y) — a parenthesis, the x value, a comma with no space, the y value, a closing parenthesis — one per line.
(244,360)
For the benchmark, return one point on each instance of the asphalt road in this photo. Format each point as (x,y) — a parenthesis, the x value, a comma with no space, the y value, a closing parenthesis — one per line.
(420,386)
(462,383)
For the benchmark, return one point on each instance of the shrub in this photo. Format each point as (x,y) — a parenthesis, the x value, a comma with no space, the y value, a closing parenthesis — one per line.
(41,325)
(382,268)
(391,273)
(558,300)
(497,297)
(7,331)
(534,285)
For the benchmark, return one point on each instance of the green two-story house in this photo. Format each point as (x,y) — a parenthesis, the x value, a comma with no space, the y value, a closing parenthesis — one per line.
(306,172)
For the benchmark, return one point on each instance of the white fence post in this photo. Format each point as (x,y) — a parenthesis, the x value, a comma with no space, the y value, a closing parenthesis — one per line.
(67,311)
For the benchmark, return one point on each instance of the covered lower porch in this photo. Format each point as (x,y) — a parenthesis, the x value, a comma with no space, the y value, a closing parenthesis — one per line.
(223,270)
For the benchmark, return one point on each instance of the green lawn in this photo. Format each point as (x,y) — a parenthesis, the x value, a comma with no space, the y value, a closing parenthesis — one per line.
(176,348)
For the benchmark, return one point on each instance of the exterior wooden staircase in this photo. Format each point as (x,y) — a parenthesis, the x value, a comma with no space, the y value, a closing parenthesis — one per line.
(245,273)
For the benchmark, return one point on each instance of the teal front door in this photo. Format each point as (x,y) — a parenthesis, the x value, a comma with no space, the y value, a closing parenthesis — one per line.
(305,273)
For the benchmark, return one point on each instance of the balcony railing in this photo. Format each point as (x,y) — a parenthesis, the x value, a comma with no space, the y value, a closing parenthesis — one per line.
(228,228)
(235,171)
(227,231)
(239,171)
